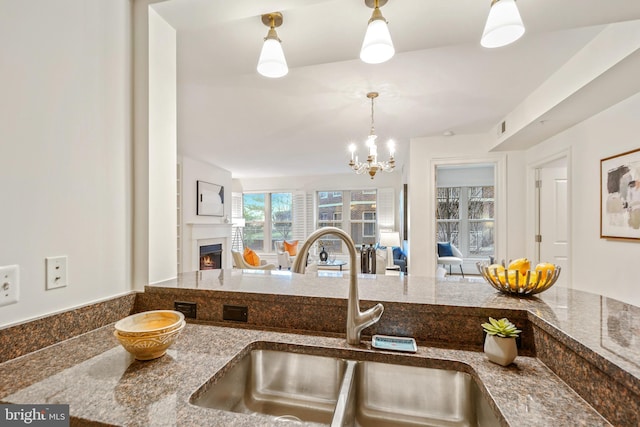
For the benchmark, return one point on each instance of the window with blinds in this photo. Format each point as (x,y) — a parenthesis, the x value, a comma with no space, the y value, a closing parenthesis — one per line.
(359,212)
(295,215)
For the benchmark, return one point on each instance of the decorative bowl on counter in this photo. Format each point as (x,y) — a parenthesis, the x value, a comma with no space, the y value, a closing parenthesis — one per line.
(150,346)
(519,281)
(149,334)
(149,323)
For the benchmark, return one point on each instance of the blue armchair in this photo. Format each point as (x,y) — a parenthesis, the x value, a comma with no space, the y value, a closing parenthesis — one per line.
(400,256)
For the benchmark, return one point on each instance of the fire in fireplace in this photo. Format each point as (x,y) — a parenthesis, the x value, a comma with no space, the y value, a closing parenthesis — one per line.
(211,257)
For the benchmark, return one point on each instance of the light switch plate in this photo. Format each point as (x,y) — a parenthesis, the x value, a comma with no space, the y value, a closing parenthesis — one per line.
(56,272)
(9,284)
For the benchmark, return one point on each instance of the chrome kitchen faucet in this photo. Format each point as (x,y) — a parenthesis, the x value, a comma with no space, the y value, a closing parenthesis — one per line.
(356,320)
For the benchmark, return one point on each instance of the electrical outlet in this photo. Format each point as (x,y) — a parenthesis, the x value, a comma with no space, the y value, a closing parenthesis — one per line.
(239,313)
(9,284)
(186,308)
(56,272)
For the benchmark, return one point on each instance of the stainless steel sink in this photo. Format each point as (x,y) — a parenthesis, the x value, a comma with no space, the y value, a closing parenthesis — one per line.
(386,395)
(346,393)
(285,385)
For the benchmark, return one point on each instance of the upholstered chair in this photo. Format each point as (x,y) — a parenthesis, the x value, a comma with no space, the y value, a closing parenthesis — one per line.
(285,260)
(400,256)
(239,262)
(449,255)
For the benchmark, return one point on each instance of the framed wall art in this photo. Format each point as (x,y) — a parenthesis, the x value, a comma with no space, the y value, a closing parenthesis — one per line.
(620,196)
(210,199)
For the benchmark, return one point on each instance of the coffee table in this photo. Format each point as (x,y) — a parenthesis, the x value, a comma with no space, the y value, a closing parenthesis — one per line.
(336,263)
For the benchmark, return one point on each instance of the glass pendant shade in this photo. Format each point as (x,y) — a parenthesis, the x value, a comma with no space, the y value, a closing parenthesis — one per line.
(504,24)
(272,62)
(377,46)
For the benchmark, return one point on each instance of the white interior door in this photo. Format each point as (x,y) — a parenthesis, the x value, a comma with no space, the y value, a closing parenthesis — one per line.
(553,217)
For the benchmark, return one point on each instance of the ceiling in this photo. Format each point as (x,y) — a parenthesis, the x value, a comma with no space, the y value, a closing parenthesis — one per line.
(440,80)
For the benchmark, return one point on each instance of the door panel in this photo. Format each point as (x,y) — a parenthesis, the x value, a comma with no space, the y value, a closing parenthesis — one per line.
(554,219)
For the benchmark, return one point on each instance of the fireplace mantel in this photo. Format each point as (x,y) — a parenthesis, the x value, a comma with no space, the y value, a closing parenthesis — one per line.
(206,229)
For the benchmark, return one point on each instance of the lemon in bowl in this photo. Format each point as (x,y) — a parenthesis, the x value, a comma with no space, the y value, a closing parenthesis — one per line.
(545,269)
(517,278)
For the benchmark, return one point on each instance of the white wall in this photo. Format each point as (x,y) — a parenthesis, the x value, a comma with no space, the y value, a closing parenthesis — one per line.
(162,150)
(193,171)
(599,265)
(65,155)
(460,149)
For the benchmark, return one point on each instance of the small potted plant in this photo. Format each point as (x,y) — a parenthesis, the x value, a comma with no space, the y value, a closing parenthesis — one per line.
(500,343)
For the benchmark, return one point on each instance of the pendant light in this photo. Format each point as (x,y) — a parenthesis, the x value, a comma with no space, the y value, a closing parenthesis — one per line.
(504,24)
(377,46)
(272,62)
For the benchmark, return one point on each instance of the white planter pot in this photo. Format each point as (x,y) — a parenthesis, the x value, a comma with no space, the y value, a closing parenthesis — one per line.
(499,350)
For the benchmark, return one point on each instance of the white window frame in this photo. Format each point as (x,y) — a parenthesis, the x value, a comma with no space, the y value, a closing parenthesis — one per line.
(268,223)
(464,221)
(345,222)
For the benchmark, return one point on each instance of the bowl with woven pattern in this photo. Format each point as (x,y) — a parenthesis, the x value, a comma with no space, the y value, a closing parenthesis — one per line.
(150,346)
(149,323)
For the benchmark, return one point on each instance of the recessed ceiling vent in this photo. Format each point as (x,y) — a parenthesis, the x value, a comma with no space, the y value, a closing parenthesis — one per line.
(503,127)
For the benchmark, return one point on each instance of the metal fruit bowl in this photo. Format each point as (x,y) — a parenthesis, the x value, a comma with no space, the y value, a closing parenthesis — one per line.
(512,282)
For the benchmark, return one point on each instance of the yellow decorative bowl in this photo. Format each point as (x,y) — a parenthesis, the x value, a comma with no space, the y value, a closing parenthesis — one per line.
(512,282)
(149,323)
(150,346)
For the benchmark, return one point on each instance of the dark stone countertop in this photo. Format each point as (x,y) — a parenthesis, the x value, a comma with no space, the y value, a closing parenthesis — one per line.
(600,326)
(103,384)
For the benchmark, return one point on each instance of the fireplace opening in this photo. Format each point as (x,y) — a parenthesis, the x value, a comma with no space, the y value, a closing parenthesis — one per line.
(211,257)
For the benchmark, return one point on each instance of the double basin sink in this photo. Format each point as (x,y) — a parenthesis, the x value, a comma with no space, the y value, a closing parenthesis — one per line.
(320,390)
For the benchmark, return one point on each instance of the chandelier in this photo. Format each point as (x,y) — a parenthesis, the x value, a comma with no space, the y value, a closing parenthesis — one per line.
(372,165)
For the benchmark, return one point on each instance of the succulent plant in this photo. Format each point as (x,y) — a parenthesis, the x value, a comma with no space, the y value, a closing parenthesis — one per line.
(502,328)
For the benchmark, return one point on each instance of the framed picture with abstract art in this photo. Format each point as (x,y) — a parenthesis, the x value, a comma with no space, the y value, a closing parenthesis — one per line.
(210,199)
(620,196)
